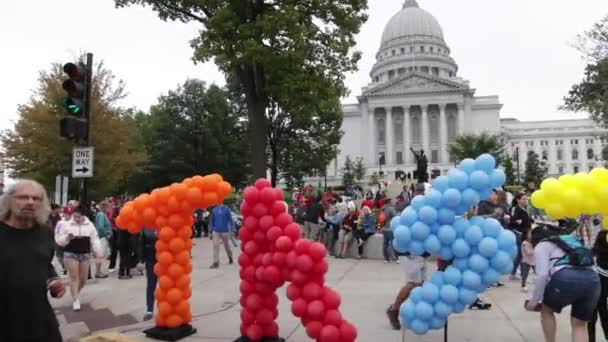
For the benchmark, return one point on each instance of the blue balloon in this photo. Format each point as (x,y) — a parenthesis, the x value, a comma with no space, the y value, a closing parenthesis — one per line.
(473,235)
(419,327)
(458,307)
(470,279)
(446,216)
(433,198)
(449,294)
(488,247)
(427,214)
(491,228)
(461,248)
(420,231)
(470,197)
(442,310)
(437,279)
(484,194)
(403,237)
(409,216)
(467,165)
(452,276)
(485,162)
(445,253)
(395,222)
(477,221)
(446,235)
(467,297)
(478,263)
(506,240)
(441,183)
(497,178)
(451,198)
(430,292)
(462,209)
(458,179)
(491,276)
(424,311)
(437,323)
(416,248)
(513,252)
(434,228)
(407,311)
(460,226)
(416,295)
(479,180)
(461,264)
(501,260)
(418,202)
(432,244)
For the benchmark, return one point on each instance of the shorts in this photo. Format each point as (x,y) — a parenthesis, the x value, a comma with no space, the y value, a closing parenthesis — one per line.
(345,236)
(414,269)
(76,256)
(104,248)
(577,287)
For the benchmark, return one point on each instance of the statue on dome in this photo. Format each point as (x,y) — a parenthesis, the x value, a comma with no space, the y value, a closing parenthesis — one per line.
(422,165)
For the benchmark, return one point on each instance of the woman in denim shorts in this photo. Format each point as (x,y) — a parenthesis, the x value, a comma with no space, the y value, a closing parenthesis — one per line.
(559,285)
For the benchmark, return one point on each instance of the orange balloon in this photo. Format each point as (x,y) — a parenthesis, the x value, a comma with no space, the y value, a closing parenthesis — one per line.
(176,221)
(185,233)
(198,181)
(161,221)
(223,189)
(160,270)
(176,245)
(183,281)
(182,308)
(189,244)
(189,219)
(194,196)
(173,204)
(187,317)
(209,199)
(163,210)
(165,309)
(134,228)
(178,190)
(165,258)
(160,321)
(165,282)
(216,177)
(127,212)
(166,234)
(188,268)
(209,184)
(161,246)
(187,293)
(174,296)
(163,195)
(149,216)
(175,271)
(174,321)
(120,221)
(186,208)
(182,257)
(188,182)
(142,202)
(159,294)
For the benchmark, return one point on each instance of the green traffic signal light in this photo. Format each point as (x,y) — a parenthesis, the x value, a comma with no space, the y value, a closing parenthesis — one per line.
(73,106)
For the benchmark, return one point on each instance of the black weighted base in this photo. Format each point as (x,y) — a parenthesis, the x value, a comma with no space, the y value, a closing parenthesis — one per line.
(170,334)
(265,339)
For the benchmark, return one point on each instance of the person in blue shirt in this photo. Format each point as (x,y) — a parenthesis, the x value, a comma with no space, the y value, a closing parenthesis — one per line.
(367,228)
(220,226)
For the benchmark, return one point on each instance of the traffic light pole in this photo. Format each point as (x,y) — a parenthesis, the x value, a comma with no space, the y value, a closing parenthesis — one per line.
(87,114)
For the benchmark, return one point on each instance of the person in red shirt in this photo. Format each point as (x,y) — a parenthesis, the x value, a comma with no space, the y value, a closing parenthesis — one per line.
(367,203)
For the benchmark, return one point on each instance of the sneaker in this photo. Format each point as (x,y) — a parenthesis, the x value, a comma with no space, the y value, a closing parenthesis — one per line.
(524,289)
(76,305)
(148,316)
(101,276)
(214,265)
(499,284)
(360,243)
(111,270)
(397,262)
(393,317)
(386,261)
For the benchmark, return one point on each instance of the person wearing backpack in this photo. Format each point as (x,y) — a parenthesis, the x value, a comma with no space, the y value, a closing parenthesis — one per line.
(600,251)
(564,277)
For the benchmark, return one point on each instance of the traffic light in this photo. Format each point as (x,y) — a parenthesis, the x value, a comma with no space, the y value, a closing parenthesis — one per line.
(74,126)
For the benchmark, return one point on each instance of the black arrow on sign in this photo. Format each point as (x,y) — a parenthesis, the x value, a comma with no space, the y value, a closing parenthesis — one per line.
(83,169)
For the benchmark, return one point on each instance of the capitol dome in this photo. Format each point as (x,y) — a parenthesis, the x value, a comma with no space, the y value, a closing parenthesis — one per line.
(412,22)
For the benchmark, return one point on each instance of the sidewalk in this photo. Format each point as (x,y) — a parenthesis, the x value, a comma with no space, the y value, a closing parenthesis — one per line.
(366,286)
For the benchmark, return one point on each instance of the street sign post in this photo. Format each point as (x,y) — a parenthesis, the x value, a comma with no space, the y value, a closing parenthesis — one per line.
(82,162)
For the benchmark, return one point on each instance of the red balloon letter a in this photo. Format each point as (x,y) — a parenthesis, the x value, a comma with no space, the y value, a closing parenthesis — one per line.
(274,253)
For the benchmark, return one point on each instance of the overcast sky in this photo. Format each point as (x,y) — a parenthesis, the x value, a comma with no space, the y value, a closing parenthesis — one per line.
(517,49)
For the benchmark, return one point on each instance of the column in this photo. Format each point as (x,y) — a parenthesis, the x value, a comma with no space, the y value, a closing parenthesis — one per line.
(365,136)
(371,133)
(406,135)
(461,128)
(390,140)
(567,155)
(425,132)
(552,160)
(443,135)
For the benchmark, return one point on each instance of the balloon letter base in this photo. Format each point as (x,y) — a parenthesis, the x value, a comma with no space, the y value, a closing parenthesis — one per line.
(167,334)
(246,339)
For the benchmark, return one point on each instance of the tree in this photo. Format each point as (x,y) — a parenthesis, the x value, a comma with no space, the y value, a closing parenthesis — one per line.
(33,148)
(359,169)
(507,164)
(348,172)
(291,52)
(474,145)
(194,130)
(591,94)
(535,171)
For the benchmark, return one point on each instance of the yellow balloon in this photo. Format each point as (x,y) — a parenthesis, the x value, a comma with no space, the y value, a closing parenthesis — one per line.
(601,193)
(584,182)
(539,199)
(555,211)
(572,200)
(591,206)
(600,175)
(605,222)
(552,187)
(567,180)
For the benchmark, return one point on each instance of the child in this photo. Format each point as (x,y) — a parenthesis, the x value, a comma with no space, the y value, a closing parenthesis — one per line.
(527,261)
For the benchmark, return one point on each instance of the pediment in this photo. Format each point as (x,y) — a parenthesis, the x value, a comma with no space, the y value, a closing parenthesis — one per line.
(415,83)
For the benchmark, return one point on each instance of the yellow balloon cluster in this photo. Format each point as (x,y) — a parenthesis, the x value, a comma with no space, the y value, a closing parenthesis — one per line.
(573,195)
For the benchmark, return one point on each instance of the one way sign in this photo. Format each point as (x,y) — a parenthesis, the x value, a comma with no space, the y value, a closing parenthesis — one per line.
(82,162)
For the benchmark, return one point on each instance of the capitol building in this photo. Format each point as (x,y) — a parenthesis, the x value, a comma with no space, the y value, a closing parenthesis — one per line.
(416,100)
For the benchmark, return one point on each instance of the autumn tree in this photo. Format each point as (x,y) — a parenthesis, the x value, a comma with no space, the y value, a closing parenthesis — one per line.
(33,148)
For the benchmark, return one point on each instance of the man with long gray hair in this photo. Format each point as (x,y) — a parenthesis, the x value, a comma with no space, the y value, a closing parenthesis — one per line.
(26,252)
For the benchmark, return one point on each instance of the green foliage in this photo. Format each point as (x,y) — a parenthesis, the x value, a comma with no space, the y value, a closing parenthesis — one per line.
(348,172)
(33,148)
(359,169)
(535,172)
(507,164)
(474,145)
(292,53)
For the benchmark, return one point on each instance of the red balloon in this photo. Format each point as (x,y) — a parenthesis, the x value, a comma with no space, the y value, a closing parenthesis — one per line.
(255,332)
(279,259)
(245,235)
(332,317)
(277,208)
(331,299)
(267,259)
(298,277)
(278,194)
(245,209)
(251,248)
(293,230)
(264,316)
(259,237)
(271,301)
(273,234)
(262,183)
(267,196)
(311,291)
(266,222)
(243,302)
(254,302)
(245,260)
(246,287)
(271,330)
(257,260)
(292,259)
(282,220)
(263,288)
(299,307)
(251,195)
(304,263)
(302,246)
(244,328)
(329,333)
(317,251)
(320,267)
(293,292)
(284,244)
(286,273)
(313,329)
(348,332)
(316,310)
(247,317)
(260,210)
(251,223)
(272,274)
(259,273)
(248,273)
